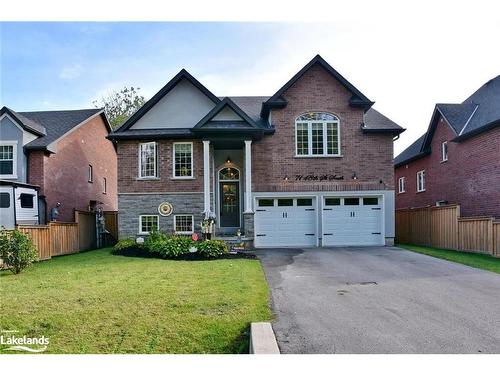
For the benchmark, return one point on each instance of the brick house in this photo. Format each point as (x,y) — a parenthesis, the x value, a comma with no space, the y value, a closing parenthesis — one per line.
(55,156)
(458,159)
(309,166)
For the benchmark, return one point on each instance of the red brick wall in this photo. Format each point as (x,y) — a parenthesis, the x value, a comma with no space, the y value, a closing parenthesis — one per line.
(369,156)
(128,165)
(470,177)
(65,173)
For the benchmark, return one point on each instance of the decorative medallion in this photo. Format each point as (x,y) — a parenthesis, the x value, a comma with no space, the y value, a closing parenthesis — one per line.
(165,209)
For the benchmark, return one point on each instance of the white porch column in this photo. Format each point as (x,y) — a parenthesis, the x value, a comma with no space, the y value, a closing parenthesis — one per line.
(248,177)
(206,177)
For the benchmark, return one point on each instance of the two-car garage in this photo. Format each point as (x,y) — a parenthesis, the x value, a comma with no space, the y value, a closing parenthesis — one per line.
(319,220)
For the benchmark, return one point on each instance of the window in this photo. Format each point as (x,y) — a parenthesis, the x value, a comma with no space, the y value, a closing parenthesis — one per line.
(104,185)
(183,224)
(332,201)
(229,174)
(183,160)
(304,202)
(8,159)
(90,173)
(351,202)
(266,202)
(370,201)
(147,223)
(401,185)
(4,200)
(420,181)
(26,200)
(317,134)
(285,202)
(147,160)
(444,151)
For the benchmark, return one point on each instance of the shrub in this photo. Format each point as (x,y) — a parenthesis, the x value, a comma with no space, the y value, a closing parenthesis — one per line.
(124,245)
(212,248)
(17,250)
(170,247)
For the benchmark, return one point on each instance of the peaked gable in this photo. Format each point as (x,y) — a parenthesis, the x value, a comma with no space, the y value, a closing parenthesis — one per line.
(278,101)
(181,103)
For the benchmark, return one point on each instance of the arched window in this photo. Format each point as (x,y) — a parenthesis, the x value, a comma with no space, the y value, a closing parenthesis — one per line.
(317,134)
(229,174)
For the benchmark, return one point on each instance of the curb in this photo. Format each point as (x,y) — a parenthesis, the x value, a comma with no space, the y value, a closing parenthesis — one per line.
(262,339)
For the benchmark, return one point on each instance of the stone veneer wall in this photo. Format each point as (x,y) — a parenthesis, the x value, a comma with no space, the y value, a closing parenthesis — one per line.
(130,206)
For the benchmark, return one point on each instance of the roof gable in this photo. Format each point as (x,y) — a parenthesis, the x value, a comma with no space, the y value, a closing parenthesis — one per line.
(179,77)
(26,123)
(277,101)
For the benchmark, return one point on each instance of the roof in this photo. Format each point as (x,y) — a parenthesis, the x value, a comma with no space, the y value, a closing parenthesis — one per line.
(252,109)
(51,125)
(411,153)
(358,99)
(478,113)
(183,74)
(376,122)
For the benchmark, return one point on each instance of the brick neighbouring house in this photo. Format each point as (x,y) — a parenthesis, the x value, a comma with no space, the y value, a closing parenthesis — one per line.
(59,156)
(309,166)
(460,157)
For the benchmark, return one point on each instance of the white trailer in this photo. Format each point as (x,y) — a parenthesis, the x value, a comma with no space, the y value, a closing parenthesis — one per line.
(18,204)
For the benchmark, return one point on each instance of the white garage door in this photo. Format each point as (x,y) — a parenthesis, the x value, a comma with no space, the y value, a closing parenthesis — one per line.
(355,221)
(285,222)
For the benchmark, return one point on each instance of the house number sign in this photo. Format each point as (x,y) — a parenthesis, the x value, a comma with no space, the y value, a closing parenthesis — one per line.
(165,209)
(323,177)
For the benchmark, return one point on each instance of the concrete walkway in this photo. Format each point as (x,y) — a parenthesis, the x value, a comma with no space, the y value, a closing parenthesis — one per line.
(380,300)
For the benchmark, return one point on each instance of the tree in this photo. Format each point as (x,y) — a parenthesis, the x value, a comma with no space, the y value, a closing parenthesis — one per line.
(120,105)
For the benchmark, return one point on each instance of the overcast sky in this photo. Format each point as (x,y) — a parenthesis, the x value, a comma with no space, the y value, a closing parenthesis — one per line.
(405,64)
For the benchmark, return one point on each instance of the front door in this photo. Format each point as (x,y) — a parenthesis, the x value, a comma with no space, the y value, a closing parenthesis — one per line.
(229,204)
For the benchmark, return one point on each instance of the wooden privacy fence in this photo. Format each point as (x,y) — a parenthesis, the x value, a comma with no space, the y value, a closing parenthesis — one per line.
(53,239)
(444,228)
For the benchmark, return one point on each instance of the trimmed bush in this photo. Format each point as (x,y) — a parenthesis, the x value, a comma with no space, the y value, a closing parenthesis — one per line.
(124,245)
(17,250)
(170,247)
(212,248)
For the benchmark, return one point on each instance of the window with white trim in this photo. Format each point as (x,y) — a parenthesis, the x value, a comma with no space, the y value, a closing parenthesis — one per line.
(183,224)
(317,134)
(420,181)
(147,223)
(147,160)
(444,151)
(183,160)
(8,159)
(401,185)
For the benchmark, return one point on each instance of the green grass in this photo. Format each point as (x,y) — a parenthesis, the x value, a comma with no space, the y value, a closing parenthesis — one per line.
(95,302)
(482,261)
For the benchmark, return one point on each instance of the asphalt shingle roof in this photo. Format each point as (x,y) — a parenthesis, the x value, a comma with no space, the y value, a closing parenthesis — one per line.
(414,150)
(373,119)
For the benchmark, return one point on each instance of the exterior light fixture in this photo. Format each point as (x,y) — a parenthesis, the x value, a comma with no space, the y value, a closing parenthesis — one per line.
(354,177)
(228,161)
(285,178)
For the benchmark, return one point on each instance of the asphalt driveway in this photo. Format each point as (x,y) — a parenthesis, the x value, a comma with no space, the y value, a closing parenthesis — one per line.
(380,300)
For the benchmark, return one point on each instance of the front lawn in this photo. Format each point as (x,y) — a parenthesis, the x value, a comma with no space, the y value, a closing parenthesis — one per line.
(482,261)
(95,302)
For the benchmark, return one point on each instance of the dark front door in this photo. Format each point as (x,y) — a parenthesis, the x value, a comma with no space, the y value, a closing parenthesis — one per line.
(229,204)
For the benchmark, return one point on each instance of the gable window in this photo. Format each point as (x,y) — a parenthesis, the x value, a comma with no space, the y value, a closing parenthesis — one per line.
(147,223)
(90,173)
(183,160)
(317,134)
(420,181)
(183,224)
(401,185)
(8,159)
(444,151)
(147,160)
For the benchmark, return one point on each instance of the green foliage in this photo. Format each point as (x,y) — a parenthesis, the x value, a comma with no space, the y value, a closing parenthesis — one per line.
(125,244)
(17,250)
(168,246)
(119,105)
(212,248)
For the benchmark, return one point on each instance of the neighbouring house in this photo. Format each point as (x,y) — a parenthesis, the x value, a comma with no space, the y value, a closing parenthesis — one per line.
(458,159)
(55,156)
(309,166)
